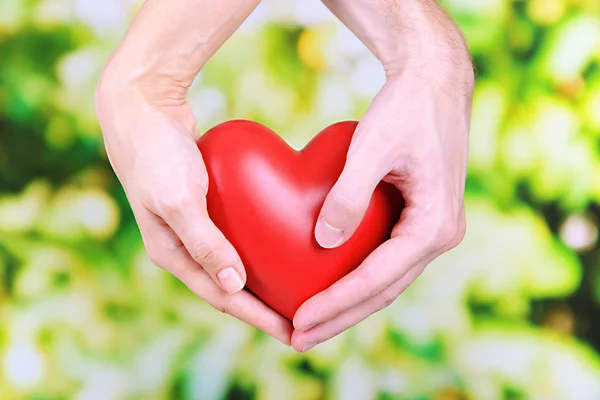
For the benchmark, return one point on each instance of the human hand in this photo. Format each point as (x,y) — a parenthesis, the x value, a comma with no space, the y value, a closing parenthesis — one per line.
(149,132)
(414,136)
(155,156)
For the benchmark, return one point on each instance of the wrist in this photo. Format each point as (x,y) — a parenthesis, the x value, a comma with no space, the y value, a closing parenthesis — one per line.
(126,77)
(428,42)
(130,111)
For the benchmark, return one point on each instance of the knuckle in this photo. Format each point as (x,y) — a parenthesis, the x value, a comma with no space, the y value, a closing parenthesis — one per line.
(460,233)
(157,258)
(203,185)
(262,319)
(375,292)
(452,233)
(220,307)
(205,255)
(388,299)
(174,204)
(223,305)
(348,204)
(447,233)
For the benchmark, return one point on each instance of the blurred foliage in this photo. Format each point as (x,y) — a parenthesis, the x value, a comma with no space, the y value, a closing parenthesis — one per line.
(512,313)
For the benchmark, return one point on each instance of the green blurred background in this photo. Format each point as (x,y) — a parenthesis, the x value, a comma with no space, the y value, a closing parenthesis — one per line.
(512,313)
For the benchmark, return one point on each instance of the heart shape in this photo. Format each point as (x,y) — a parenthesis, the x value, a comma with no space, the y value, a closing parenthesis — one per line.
(266,197)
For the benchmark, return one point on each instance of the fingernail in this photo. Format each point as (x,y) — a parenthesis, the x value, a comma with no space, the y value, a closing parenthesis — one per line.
(308,346)
(327,236)
(230,280)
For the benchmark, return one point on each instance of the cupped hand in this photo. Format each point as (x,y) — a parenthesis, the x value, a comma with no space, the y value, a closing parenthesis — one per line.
(153,151)
(414,136)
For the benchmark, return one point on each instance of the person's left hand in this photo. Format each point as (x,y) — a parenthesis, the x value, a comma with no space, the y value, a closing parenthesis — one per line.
(415,136)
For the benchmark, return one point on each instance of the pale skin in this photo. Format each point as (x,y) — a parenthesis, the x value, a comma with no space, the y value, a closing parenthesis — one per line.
(416,130)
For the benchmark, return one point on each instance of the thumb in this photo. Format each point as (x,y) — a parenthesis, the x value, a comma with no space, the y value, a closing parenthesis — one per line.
(348,200)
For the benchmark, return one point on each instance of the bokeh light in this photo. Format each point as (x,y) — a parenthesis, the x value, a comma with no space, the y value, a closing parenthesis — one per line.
(512,313)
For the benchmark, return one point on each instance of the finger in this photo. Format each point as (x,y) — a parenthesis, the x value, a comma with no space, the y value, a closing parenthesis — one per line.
(204,242)
(386,265)
(305,340)
(348,200)
(428,226)
(241,305)
(166,251)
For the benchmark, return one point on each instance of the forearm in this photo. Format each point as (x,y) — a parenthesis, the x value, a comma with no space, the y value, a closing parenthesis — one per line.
(405,34)
(169,42)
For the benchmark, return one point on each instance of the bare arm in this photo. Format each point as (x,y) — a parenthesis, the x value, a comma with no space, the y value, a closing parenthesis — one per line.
(169,42)
(149,133)
(415,136)
(406,34)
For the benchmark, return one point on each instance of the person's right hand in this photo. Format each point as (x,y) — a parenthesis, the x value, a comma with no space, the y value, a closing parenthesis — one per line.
(148,129)
(153,151)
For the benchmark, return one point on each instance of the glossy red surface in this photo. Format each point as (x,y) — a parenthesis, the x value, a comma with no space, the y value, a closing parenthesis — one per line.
(266,197)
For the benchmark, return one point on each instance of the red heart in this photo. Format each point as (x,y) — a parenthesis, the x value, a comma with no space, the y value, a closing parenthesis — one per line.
(265,197)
